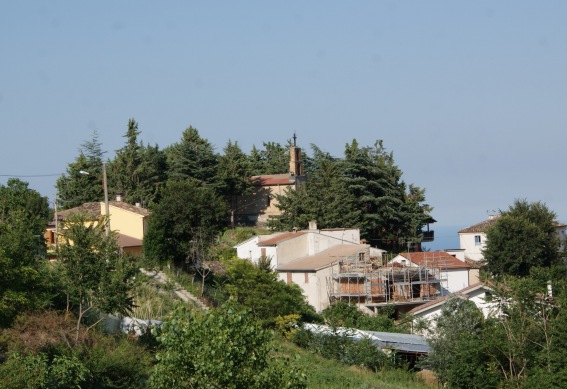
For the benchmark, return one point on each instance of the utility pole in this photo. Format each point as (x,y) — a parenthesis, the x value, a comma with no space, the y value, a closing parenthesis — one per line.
(105,185)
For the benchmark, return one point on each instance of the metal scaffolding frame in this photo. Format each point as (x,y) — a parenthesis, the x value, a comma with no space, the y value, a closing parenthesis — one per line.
(373,282)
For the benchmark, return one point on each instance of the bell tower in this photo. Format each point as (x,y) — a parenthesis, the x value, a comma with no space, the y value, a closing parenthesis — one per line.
(295,163)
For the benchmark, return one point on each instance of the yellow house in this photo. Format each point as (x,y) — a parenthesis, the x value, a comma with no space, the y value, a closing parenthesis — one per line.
(130,222)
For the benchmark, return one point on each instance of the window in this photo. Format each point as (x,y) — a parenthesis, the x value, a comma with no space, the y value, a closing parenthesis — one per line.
(477,240)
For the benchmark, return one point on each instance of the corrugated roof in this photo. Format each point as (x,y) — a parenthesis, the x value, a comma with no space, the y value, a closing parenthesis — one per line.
(400,342)
(435,260)
(323,259)
(384,340)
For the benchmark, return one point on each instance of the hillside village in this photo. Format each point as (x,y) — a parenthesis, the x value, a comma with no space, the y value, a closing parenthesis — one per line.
(313,247)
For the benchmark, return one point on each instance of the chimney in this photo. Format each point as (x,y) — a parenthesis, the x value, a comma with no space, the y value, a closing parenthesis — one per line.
(312,225)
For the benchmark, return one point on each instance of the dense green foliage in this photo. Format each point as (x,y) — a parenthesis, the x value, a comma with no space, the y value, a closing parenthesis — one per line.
(523,237)
(189,213)
(259,290)
(343,314)
(83,180)
(23,216)
(522,345)
(338,345)
(44,354)
(137,171)
(96,277)
(192,157)
(365,190)
(236,353)
(458,353)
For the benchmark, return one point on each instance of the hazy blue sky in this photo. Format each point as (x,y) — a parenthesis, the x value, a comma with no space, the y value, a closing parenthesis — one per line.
(470,95)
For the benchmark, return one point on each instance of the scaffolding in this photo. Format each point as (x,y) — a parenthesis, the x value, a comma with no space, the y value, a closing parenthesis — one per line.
(379,281)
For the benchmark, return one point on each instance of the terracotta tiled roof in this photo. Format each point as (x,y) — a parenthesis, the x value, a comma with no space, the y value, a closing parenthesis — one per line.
(324,258)
(463,293)
(483,227)
(479,227)
(435,260)
(128,241)
(130,207)
(93,210)
(279,238)
(273,179)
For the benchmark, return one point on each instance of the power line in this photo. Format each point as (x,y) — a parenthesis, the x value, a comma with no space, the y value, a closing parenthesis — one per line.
(28,176)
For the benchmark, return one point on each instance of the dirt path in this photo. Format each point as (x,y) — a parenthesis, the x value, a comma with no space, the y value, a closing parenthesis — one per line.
(182,293)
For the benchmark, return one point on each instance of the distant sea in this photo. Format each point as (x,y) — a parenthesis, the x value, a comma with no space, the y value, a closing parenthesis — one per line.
(446,237)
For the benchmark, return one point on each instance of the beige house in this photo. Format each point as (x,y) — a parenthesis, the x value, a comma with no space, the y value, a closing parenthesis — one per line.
(256,208)
(128,221)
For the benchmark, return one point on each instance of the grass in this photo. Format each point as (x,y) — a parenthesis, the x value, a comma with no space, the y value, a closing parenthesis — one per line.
(330,374)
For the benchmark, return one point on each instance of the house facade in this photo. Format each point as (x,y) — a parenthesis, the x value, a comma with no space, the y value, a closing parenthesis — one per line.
(472,239)
(256,207)
(452,273)
(479,293)
(130,222)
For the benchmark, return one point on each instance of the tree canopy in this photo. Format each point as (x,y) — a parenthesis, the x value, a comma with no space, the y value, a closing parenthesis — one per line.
(82,182)
(236,353)
(523,237)
(188,210)
(23,217)
(365,190)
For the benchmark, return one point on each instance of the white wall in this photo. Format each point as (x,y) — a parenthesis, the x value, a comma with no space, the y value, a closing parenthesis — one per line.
(472,250)
(457,279)
(315,289)
(249,250)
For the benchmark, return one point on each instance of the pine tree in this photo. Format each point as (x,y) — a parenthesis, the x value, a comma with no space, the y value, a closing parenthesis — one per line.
(137,171)
(82,182)
(192,157)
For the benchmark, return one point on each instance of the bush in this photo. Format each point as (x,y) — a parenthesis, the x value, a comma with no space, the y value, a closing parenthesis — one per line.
(220,348)
(343,314)
(343,348)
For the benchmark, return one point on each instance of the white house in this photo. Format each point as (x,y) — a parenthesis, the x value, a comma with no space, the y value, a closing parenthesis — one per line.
(313,273)
(478,293)
(473,238)
(286,246)
(453,273)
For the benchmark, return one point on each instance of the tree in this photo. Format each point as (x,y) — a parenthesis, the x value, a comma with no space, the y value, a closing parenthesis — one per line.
(234,172)
(75,188)
(186,209)
(273,159)
(364,189)
(137,171)
(220,348)
(522,340)
(373,178)
(522,237)
(192,157)
(259,290)
(23,216)
(95,275)
(457,348)
(324,198)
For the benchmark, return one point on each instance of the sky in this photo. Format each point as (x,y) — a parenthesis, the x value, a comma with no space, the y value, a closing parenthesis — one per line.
(470,97)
